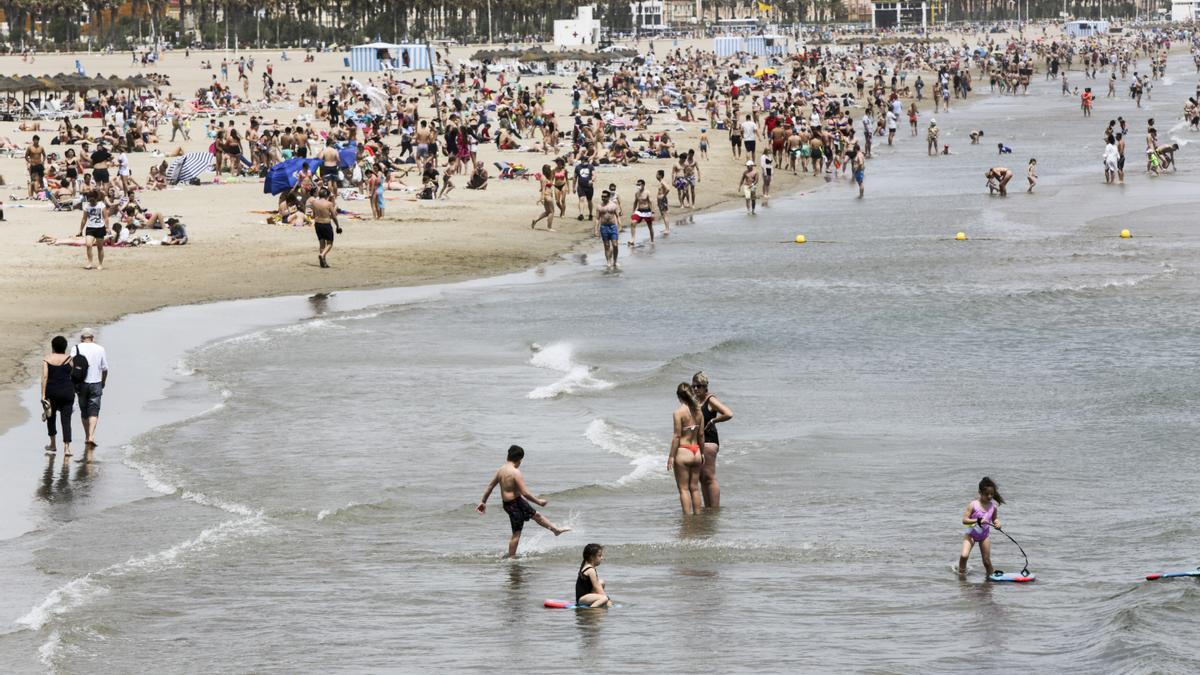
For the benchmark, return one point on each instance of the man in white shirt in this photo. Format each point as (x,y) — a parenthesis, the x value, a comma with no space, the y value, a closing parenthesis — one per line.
(92,388)
(749,135)
(891,126)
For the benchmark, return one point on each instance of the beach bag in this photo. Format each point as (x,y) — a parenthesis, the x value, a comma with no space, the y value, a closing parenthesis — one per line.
(79,367)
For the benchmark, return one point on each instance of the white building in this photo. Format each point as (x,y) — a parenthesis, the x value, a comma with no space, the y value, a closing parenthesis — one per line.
(1185,10)
(901,14)
(577,32)
(647,15)
(1085,28)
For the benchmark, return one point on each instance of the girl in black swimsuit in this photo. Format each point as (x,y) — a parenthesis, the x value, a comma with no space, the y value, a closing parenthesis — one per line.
(589,589)
(714,412)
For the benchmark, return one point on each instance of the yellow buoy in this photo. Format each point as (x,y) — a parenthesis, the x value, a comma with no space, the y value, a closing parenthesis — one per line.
(1125,234)
(961,236)
(800,239)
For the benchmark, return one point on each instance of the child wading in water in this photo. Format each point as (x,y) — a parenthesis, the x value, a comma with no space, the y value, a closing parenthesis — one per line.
(589,587)
(981,515)
(1031,174)
(514,493)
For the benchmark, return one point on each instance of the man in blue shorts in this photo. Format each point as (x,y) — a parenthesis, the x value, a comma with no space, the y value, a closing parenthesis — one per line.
(860,168)
(607,228)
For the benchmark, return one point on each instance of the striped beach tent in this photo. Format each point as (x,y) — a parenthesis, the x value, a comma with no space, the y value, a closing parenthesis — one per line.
(387,56)
(190,166)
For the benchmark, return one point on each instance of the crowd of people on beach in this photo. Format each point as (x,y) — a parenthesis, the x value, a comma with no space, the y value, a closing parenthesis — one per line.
(820,112)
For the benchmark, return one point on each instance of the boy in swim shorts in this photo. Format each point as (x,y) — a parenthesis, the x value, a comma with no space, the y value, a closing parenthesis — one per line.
(514,493)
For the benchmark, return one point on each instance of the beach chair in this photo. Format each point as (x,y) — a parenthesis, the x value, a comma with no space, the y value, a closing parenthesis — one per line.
(58,205)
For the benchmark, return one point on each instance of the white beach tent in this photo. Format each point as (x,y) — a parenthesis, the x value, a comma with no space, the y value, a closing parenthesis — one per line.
(386,56)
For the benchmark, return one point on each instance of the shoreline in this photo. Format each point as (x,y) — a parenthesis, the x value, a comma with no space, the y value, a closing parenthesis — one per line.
(22,369)
(132,341)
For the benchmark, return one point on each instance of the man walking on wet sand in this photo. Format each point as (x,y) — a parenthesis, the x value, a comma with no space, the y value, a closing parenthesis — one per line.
(606,228)
(514,493)
(91,389)
(323,214)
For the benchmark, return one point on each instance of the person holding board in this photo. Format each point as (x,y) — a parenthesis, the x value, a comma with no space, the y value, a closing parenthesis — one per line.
(981,515)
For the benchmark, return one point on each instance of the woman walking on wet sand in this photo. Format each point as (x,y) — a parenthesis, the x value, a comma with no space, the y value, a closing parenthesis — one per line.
(684,458)
(545,198)
(58,394)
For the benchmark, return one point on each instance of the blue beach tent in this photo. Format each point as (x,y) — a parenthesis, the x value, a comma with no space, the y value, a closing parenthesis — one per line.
(284,175)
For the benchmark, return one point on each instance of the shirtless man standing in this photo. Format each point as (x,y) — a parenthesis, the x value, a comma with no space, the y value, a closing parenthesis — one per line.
(663,203)
(606,227)
(35,162)
(323,211)
(749,186)
(642,213)
(329,163)
(514,493)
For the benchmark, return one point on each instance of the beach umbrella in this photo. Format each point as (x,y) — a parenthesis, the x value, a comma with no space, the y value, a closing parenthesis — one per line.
(764,71)
(29,83)
(284,175)
(190,166)
(348,155)
(8,84)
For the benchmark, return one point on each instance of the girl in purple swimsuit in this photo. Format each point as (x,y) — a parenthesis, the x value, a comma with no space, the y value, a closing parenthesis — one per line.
(980,516)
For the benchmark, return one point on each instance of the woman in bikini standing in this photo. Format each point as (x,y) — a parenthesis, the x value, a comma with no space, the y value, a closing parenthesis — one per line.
(714,412)
(560,186)
(545,198)
(685,458)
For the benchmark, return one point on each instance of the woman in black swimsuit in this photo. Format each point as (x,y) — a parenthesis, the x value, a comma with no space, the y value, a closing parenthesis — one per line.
(714,411)
(58,394)
(589,588)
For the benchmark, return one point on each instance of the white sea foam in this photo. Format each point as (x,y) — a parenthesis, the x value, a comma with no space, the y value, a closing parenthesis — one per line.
(85,589)
(577,377)
(152,475)
(325,513)
(267,333)
(646,459)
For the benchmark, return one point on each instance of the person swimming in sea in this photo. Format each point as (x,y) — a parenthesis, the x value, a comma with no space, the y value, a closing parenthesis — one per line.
(589,587)
(684,457)
(980,516)
(514,493)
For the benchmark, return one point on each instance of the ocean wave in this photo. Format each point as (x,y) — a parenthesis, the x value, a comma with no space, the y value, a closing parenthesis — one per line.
(151,474)
(87,588)
(158,478)
(577,377)
(645,456)
(1105,284)
(266,334)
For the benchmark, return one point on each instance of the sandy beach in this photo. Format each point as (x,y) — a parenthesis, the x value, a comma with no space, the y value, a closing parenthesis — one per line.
(233,252)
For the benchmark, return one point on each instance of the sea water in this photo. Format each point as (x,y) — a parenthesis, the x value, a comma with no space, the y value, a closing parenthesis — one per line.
(318,514)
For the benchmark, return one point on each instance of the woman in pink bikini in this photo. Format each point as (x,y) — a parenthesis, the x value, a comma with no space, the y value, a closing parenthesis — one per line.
(981,515)
(685,458)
